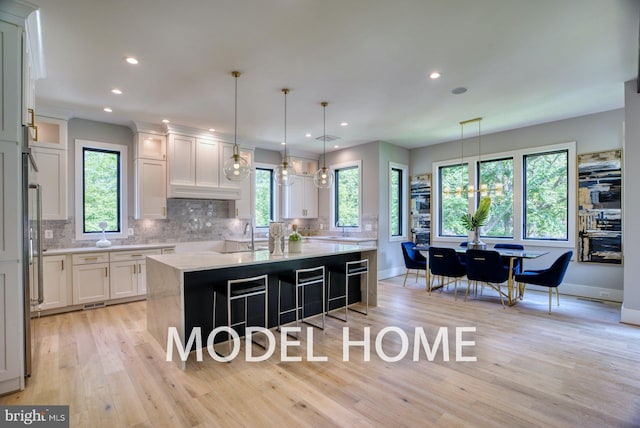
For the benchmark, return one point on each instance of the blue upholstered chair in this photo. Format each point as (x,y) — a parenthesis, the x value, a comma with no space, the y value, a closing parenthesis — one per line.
(444,263)
(413,260)
(517,265)
(462,257)
(488,268)
(551,277)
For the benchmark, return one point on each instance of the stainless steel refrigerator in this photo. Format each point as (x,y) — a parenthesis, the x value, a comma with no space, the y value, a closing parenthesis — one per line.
(31,246)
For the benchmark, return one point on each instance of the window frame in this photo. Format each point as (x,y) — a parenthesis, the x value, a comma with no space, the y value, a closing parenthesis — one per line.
(335,168)
(403,202)
(80,146)
(275,195)
(478,181)
(518,194)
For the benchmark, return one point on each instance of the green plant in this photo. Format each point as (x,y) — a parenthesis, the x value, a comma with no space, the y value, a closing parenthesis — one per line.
(295,236)
(480,217)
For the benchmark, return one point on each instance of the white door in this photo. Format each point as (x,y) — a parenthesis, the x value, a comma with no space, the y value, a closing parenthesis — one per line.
(182,160)
(207,163)
(55,285)
(52,177)
(90,283)
(310,197)
(142,277)
(124,279)
(151,190)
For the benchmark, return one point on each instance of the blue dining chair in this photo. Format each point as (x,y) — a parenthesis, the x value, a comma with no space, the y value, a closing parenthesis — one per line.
(444,263)
(462,257)
(487,267)
(551,277)
(413,260)
(517,265)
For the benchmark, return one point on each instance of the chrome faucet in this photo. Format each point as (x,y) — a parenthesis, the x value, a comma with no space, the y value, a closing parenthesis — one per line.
(342,226)
(248,224)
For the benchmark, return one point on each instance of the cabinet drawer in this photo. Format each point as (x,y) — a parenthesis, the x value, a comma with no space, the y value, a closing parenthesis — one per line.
(88,258)
(123,256)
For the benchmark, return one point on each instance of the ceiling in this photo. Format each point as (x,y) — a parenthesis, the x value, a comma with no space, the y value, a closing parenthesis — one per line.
(523,62)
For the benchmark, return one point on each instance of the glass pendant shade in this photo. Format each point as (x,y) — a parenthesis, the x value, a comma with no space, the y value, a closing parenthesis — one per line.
(323,178)
(285,173)
(236,168)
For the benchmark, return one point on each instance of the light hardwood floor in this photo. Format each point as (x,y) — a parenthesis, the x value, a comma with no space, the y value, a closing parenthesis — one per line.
(576,367)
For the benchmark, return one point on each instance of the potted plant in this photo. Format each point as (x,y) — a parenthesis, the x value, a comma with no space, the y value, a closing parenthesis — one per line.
(295,240)
(474,222)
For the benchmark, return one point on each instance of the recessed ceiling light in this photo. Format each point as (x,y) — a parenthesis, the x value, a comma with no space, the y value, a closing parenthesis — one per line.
(131,60)
(344,124)
(212,130)
(336,146)
(116,91)
(434,75)
(107,109)
(459,90)
(283,143)
(165,120)
(307,135)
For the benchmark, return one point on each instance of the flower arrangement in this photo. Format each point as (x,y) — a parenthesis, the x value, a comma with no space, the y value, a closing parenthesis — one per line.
(474,222)
(295,240)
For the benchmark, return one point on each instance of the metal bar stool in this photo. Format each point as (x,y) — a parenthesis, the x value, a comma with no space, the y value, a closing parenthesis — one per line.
(354,268)
(301,279)
(243,289)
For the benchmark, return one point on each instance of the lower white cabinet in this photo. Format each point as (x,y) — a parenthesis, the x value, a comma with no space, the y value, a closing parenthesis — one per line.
(56,282)
(90,283)
(129,273)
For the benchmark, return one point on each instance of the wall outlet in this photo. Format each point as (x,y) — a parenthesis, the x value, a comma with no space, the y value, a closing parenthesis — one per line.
(605,294)
(48,234)
(321,226)
(130,231)
(368,227)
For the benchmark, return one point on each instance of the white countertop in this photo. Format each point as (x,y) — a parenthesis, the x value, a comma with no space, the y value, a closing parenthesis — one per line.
(59,251)
(349,239)
(205,260)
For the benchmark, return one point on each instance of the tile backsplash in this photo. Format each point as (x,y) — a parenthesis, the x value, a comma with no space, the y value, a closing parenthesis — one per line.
(189,220)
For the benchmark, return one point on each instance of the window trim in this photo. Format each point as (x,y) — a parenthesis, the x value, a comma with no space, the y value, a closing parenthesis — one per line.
(334,168)
(123,150)
(275,194)
(518,194)
(404,201)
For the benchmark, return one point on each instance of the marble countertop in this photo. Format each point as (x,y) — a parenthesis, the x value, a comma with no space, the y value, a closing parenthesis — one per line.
(340,238)
(205,260)
(59,251)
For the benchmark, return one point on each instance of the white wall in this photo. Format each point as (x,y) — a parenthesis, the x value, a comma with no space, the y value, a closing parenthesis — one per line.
(595,132)
(631,155)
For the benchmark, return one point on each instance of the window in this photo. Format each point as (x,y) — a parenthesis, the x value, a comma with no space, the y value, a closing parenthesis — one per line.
(101,183)
(397,201)
(498,174)
(453,200)
(536,203)
(265,197)
(346,195)
(546,196)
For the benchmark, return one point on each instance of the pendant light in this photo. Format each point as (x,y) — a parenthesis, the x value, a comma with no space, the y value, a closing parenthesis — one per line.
(236,168)
(323,178)
(285,174)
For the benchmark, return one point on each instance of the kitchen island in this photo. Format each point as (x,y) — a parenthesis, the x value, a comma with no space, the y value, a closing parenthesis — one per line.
(180,286)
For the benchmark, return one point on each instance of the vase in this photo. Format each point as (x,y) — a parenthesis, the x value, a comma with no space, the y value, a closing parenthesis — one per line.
(295,246)
(476,244)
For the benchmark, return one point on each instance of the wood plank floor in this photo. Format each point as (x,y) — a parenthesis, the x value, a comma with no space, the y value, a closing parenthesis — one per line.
(576,367)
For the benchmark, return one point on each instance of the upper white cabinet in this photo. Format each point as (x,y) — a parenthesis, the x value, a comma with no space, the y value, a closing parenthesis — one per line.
(52,177)
(11,94)
(304,166)
(150,146)
(300,200)
(195,169)
(50,133)
(150,168)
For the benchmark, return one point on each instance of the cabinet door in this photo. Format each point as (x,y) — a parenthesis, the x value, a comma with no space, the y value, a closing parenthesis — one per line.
(124,279)
(293,198)
(182,160)
(52,133)
(55,285)
(10,205)
(11,326)
(150,189)
(142,277)
(207,168)
(310,191)
(90,283)
(151,146)
(52,176)
(11,116)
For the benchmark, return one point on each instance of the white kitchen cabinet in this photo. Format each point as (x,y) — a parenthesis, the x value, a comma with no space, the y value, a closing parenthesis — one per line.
(244,205)
(55,282)
(194,168)
(52,176)
(128,273)
(150,189)
(300,200)
(90,278)
(52,133)
(304,166)
(150,146)
(10,205)
(11,330)
(10,80)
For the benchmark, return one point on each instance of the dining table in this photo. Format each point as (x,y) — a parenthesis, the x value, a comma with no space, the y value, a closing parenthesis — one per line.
(513,295)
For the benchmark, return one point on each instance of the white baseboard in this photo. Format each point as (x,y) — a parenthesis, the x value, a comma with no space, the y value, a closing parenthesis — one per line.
(586,291)
(390,273)
(629,316)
